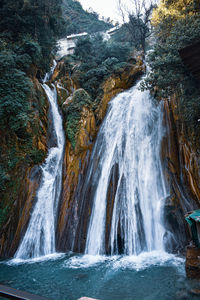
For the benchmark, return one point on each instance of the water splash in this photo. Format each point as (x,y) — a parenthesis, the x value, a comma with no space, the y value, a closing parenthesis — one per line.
(39,239)
(128,144)
(139,262)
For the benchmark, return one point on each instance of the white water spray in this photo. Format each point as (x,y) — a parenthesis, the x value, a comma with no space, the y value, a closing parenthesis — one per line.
(39,239)
(130,139)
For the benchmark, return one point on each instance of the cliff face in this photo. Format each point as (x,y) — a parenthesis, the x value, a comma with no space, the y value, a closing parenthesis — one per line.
(72,216)
(181,163)
(74,211)
(19,198)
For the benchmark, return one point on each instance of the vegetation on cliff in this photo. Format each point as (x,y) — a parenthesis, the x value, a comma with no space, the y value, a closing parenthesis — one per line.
(29,30)
(72,113)
(93,62)
(177,25)
(97,60)
(28,33)
(78,20)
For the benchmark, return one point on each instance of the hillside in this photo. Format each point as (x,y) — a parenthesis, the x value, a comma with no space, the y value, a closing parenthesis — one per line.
(79,20)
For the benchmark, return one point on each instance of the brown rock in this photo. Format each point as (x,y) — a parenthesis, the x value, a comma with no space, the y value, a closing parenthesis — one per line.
(195,292)
(117,83)
(193,262)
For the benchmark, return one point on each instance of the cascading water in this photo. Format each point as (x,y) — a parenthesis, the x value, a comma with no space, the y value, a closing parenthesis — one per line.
(128,142)
(39,238)
(50,73)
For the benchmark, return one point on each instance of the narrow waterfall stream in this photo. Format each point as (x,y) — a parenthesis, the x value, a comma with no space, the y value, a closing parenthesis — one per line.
(128,144)
(39,239)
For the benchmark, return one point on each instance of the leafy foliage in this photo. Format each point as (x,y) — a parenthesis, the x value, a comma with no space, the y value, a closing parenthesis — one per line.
(3,214)
(95,59)
(36,21)
(15,88)
(79,20)
(168,74)
(98,60)
(73,113)
(28,33)
(173,10)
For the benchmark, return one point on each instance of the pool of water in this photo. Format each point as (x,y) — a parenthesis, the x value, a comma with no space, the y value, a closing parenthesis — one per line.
(154,275)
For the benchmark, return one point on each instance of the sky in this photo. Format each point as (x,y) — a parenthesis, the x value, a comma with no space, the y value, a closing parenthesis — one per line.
(106,8)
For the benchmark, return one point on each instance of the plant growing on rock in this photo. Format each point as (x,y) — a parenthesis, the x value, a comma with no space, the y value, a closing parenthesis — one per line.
(72,112)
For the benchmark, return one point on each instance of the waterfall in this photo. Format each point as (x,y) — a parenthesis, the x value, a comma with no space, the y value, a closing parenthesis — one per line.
(50,73)
(126,158)
(39,238)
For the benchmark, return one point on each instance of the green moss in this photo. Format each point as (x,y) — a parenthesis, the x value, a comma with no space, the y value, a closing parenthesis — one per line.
(4,211)
(72,114)
(37,156)
(72,127)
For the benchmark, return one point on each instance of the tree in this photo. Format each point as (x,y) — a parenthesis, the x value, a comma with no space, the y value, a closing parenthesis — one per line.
(174,10)
(168,12)
(177,26)
(137,20)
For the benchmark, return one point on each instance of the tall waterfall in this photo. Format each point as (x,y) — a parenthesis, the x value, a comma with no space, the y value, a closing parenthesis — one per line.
(39,238)
(128,146)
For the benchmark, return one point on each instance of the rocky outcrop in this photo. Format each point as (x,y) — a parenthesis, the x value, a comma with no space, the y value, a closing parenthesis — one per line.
(181,164)
(74,171)
(16,225)
(119,82)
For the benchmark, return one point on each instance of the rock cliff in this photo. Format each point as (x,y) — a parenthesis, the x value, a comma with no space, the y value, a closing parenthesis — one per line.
(74,214)
(181,163)
(81,132)
(19,198)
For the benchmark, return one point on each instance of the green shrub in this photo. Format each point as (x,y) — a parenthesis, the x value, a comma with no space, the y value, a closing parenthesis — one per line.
(73,112)
(37,156)
(3,213)
(167,69)
(15,88)
(168,75)
(79,20)
(98,59)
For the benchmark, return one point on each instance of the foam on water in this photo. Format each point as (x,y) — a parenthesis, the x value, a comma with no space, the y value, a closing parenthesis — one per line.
(133,262)
(49,257)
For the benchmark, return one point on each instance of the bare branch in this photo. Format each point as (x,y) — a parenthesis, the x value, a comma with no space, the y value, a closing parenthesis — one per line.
(137,19)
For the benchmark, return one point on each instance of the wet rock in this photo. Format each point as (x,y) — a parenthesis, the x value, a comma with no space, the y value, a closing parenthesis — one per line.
(117,83)
(181,169)
(193,262)
(195,292)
